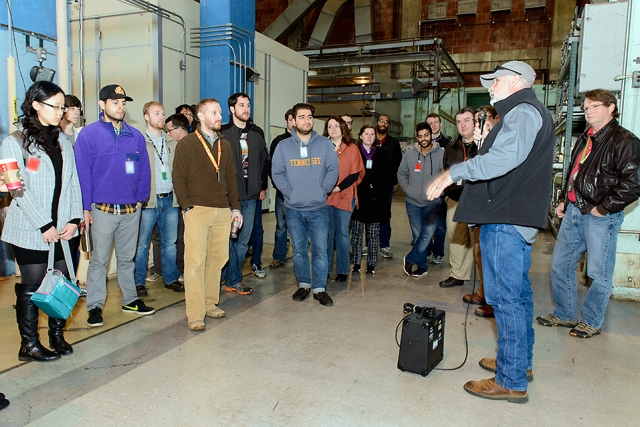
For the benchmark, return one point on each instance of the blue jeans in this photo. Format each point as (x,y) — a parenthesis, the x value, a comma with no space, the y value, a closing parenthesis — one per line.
(280,245)
(166,216)
(423,222)
(238,247)
(598,236)
(305,227)
(257,235)
(436,247)
(506,258)
(339,220)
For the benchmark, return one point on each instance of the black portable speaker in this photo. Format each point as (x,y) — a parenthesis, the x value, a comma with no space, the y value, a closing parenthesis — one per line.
(422,342)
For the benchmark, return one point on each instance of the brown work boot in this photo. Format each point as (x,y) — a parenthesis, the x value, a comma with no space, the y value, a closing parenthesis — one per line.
(490,389)
(474,298)
(490,365)
(484,311)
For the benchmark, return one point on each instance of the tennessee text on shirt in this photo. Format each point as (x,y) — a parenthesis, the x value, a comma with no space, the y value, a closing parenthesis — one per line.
(306,162)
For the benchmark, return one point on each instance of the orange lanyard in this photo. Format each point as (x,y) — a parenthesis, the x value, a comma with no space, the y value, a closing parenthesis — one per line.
(206,148)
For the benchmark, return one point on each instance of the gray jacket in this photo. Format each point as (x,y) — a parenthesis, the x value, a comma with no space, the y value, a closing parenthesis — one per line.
(414,183)
(33,210)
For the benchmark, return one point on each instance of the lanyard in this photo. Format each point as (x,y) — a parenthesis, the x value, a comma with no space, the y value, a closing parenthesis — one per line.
(206,148)
(586,151)
(161,153)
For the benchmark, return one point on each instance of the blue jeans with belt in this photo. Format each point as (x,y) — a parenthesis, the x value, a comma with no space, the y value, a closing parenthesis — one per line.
(506,258)
(598,236)
(166,216)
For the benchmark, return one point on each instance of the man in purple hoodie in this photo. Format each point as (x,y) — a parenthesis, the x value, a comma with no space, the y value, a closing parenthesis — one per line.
(115,179)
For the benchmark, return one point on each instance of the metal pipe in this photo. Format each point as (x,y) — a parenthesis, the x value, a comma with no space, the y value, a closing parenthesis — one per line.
(165,13)
(81,50)
(12,96)
(229,33)
(63,45)
(235,87)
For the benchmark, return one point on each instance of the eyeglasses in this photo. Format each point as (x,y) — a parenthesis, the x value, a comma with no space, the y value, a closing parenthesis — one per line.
(348,123)
(498,67)
(62,108)
(386,122)
(172,129)
(592,108)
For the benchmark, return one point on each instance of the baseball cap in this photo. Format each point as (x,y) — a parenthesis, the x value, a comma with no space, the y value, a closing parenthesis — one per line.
(511,68)
(113,92)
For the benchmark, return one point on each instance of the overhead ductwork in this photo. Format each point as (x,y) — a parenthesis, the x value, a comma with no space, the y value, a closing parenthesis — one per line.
(291,17)
(362,9)
(326,21)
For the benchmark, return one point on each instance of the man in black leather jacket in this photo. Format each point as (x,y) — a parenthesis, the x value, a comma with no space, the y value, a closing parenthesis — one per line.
(603,179)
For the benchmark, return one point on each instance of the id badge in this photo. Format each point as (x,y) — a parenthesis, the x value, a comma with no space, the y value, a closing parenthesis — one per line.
(303,152)
(33,164)
(164,175)
(418,167)
(129,167)
(369,164)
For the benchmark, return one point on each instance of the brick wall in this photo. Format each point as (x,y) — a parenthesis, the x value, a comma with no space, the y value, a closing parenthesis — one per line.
(489,32)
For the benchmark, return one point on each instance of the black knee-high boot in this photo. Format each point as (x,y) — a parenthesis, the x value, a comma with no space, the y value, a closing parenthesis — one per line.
(27,316)
(56,339)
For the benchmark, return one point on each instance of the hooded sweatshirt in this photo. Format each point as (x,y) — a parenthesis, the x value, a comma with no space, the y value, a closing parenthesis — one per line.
(413,178)
(305,181)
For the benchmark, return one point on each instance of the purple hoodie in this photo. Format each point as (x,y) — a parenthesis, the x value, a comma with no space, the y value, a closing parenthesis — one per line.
(112,169)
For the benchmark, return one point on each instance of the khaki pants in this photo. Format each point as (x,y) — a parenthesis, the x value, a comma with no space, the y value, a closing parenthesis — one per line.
(206,242)
(460,244)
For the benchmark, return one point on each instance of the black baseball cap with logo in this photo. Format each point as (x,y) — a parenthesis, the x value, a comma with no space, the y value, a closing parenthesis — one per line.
(114,92)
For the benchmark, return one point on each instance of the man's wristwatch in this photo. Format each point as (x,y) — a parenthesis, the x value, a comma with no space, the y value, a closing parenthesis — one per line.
(185,210)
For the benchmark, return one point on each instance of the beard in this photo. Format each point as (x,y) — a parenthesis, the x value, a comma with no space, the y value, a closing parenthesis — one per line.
(381,130)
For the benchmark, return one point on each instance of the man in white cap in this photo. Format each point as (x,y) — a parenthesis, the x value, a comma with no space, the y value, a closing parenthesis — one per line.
(507,196)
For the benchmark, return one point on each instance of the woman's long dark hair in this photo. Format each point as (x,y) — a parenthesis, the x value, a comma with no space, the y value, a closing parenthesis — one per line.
(376,142)
(31,126)
(346,133)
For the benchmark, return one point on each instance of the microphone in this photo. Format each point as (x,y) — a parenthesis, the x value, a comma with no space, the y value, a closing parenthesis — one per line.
(482,119)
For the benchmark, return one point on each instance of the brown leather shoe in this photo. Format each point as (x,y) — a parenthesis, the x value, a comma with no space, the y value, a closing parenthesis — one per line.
(484,311)
(175,286)
(141,290)
(451,282)
(474,299)
(490,389)
(490,365)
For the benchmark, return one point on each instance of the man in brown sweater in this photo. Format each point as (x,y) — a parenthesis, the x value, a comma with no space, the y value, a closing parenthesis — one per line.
(204,180)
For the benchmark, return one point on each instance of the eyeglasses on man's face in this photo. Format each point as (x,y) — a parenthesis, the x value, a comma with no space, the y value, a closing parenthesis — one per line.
(62,108)
(592,108)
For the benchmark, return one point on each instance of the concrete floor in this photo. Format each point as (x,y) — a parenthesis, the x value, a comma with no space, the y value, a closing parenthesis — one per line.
(276,362)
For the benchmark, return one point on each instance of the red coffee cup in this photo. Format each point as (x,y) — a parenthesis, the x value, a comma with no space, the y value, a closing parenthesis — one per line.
(11,173)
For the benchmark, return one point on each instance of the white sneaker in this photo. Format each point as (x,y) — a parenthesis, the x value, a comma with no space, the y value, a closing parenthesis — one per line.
(153,277)
(181,278)
(258,271)
(365,252)
(386,253)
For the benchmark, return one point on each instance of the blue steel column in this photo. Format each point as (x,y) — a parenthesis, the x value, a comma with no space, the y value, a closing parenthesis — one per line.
(217,73)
